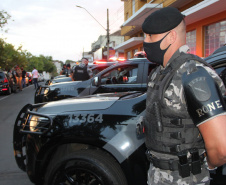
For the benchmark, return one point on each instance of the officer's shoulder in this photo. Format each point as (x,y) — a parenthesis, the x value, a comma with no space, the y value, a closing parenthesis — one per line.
(192,64)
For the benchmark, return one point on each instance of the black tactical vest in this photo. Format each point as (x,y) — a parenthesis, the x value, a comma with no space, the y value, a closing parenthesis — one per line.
(167,130)
(80,73)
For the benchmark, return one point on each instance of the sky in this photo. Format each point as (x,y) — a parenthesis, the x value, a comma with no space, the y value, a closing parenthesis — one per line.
(58,28)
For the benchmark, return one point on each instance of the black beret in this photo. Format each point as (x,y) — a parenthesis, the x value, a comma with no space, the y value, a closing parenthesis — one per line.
(162,20)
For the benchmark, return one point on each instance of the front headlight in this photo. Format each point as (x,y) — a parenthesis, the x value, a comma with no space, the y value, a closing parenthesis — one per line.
(38,123)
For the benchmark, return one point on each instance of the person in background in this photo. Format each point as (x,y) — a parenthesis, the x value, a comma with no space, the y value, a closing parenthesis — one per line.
(68,71)
(82,72)
(185,120)
(19,77)
(14,74)
(64,70)
(23,77)
(35,77)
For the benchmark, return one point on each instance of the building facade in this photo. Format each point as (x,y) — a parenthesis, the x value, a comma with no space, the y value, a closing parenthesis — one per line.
(99,47)
(205,19)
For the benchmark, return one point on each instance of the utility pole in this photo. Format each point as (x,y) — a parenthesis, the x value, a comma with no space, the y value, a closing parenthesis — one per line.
(108,37)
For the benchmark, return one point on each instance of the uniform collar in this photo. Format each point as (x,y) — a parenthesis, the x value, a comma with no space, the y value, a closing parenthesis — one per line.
(183,49)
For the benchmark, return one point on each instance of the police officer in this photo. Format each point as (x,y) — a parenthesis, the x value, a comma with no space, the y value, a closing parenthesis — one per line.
(68,71)
(185,121)
(82,72)
(64,69)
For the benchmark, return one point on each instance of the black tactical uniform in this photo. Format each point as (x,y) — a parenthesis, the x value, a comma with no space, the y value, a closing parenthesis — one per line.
(80,73)
(180,97)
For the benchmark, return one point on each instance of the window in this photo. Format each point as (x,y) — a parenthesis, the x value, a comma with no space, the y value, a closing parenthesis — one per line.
(215,37)
(121,75)
(191,41)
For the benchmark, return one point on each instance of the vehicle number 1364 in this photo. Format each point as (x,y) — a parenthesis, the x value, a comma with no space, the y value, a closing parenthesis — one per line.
(90,118)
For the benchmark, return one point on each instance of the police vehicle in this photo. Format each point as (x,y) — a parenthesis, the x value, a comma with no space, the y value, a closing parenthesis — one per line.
(95,67)
(88,140)
(129,75)
(85,140)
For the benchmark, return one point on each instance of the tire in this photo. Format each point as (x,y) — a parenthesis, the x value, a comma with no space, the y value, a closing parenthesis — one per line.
(85,167)
(9,91)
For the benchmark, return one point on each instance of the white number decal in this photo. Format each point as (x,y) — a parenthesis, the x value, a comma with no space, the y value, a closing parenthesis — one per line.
(90,118)
(99,118)
(82,118)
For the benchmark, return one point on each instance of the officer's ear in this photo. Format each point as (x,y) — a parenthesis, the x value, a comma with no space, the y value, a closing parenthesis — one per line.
(172,36)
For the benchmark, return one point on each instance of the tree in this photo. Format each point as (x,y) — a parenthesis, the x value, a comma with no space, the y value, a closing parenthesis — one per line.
(9,56)
(4,17)
(41,63)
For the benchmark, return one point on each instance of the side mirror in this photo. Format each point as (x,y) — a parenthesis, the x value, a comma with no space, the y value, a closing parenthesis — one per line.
(96,81)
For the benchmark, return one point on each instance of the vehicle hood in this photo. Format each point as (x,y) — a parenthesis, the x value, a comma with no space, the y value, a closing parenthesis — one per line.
(64,79)
(91,102)
(63,84)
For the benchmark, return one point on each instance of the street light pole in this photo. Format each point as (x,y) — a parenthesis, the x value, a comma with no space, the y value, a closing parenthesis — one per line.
(108,37)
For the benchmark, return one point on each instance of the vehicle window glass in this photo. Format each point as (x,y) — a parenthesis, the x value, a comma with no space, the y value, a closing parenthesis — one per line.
(98,69)
(121,75)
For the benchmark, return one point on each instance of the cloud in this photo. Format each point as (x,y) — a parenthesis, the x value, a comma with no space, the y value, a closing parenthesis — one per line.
(58,28)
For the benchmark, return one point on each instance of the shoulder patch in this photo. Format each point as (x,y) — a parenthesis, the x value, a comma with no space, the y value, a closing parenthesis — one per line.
(200,88)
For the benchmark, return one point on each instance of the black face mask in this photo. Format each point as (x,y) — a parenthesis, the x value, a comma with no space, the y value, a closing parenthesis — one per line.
(154,52)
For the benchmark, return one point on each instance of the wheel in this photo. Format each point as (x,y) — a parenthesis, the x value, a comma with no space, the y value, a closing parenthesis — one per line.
(85,167)
(9,91)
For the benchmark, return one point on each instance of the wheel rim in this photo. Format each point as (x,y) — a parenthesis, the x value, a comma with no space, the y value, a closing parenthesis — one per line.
(76,176)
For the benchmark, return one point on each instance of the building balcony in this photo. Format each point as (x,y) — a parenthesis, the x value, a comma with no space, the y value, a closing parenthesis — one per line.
(129,43)
(134,23)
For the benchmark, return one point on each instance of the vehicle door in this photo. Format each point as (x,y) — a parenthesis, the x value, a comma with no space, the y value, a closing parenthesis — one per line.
(120,78)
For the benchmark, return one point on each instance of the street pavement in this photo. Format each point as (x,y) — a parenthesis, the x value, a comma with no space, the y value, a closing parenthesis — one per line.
(10,106)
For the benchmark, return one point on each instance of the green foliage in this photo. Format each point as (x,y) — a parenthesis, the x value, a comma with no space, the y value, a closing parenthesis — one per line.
(41,63)
(9,56)
(4,17)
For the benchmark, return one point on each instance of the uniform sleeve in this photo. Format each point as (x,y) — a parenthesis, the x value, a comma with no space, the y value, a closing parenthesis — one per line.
(203,93)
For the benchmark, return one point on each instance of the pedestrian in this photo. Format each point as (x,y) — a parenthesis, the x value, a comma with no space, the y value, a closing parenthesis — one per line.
(35,77)
(23,77)
(68,71)
(14,74)
(64,69)
(19,77)
(82,72)
(185,120)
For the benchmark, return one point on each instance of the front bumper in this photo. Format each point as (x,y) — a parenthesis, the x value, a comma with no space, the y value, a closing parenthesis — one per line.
(22,128)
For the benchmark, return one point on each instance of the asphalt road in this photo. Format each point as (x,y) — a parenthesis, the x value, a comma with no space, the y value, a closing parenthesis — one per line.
(10,106)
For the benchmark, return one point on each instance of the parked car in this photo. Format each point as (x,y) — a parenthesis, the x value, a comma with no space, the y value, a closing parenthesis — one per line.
(95,67)
(27,83)
(29,75)
(130,75)
(7,85)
